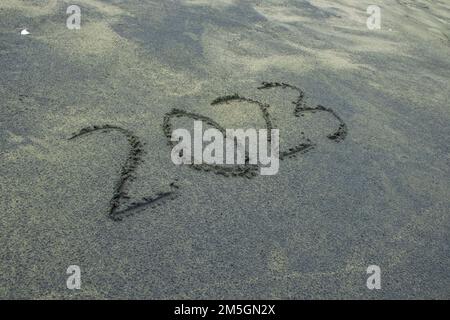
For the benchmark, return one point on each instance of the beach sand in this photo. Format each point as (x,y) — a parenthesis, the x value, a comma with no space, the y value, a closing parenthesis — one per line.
(379,197)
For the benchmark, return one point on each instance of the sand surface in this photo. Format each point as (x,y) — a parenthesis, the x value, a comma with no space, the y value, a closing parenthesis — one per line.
(381,196)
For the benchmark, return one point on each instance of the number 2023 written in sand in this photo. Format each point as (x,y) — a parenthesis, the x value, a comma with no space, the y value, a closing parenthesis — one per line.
(121,204)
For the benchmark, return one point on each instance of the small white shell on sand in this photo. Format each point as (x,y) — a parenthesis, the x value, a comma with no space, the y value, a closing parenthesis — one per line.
(24,32)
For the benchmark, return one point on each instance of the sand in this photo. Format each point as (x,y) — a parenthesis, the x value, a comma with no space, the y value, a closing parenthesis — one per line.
(379,196)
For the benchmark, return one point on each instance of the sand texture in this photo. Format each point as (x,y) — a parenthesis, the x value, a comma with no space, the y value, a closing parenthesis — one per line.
(87,179)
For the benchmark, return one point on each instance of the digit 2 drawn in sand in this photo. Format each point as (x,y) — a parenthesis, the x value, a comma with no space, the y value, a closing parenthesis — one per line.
(121,196)
(127,175)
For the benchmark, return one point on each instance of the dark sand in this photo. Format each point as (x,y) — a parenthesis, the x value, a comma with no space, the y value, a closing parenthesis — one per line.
(381,196)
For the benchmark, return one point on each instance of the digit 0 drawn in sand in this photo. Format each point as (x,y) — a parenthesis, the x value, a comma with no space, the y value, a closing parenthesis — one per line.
(245,170)
(127,174)
(121,197)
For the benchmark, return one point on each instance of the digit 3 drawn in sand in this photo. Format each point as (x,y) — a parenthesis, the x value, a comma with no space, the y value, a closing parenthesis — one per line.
(127,175)
(121,196)
(300,108)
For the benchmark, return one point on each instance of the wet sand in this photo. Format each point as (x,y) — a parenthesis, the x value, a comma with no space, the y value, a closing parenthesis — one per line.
(380,196)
